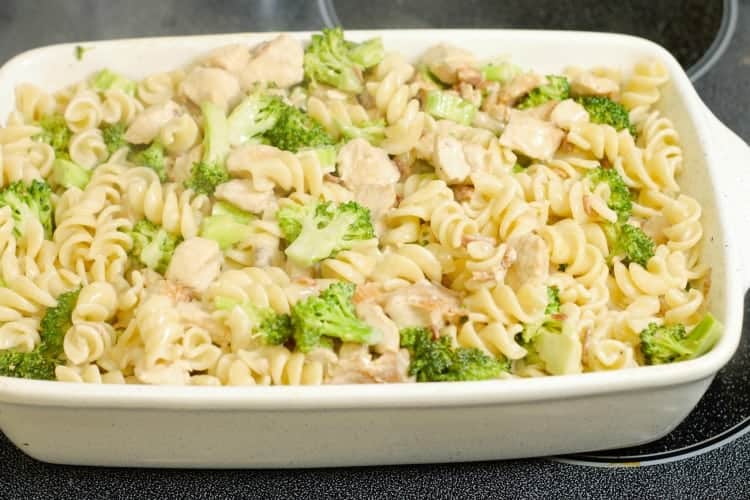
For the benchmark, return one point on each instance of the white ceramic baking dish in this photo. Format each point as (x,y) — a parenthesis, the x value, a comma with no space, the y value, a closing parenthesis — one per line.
(436,422)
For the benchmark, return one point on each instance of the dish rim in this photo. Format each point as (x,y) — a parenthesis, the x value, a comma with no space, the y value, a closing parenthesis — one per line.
(443,394)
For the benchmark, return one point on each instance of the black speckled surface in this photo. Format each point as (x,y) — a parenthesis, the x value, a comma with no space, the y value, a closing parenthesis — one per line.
(683,26)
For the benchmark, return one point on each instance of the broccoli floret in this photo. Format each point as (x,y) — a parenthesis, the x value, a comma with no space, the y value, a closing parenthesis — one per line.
(629,243)
(256,114)
(67,174)
(605,110)
(435,360)
(500,72)
(334,61)
(79,51)
(620,199)
(330,314)
(29,200)
(224,230)
(210,171)
(296,130)
(40,363)
(274,328)
(222,207)
(109,80)
(114,137)
(56,133)
(318,230)
(450,107)
(153,246)
(373,131)
(669,343)
(557,88)
(55,323)
(152,157)
(553,300)
(32,365)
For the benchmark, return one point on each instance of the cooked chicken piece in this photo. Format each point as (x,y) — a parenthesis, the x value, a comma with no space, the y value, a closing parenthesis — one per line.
(355,366)
(470,93)
(422,304)
(532,261)
(360,163)
(196,263)
(449,160)
(469,75)
(519,87)
(445,61)
(585,83)
(241,193)
(568,113)
(176,292)
(373,315)
(379,198)
(278,61)
(232,58)
(192,313)
(147,125)
(532,137)
(213,85)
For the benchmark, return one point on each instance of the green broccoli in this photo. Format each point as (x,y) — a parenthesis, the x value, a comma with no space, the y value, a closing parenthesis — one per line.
(40,363)
(153,246)
(557,88)
(224,230)
(153,157)
(620,199)
(56,133)
(435,360)
(332,60)
(274,328)
(210,171)
(295,130)
(109,80)
(450,107)
(67,174)
(114,137)
(55,323)
(605,110)
(629,243)
(670,343)
(500,72)
(553,300)
(330,314)
(222,207)
(373,131)
(29,200)
(32,365)
(318,230)
(254,116)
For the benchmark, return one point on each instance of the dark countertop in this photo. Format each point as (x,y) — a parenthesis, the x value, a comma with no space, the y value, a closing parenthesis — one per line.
(718,457)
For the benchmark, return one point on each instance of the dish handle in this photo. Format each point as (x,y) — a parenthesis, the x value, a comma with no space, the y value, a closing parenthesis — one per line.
(735,184)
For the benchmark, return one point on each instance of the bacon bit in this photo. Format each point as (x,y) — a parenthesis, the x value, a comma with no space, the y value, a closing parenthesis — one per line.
(304,280)
(509,258)
(176,291)
(462,192)
(559,316)
(367,292)
(469,75)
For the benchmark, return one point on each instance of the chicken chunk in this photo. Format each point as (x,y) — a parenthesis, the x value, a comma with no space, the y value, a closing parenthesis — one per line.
(360,163)
(278,61)
(568,113)
(372,314)
(147,125)
(445,61)
(422,304)
(232,58)
(532,137)
(213,85)
(532,261)
(449,160)
(356,366)
(519,87)
(242,194)
(378,198)
(196,263)
(585,83)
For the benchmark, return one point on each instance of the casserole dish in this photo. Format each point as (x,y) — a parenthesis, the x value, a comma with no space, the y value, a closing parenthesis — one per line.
(409,423)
